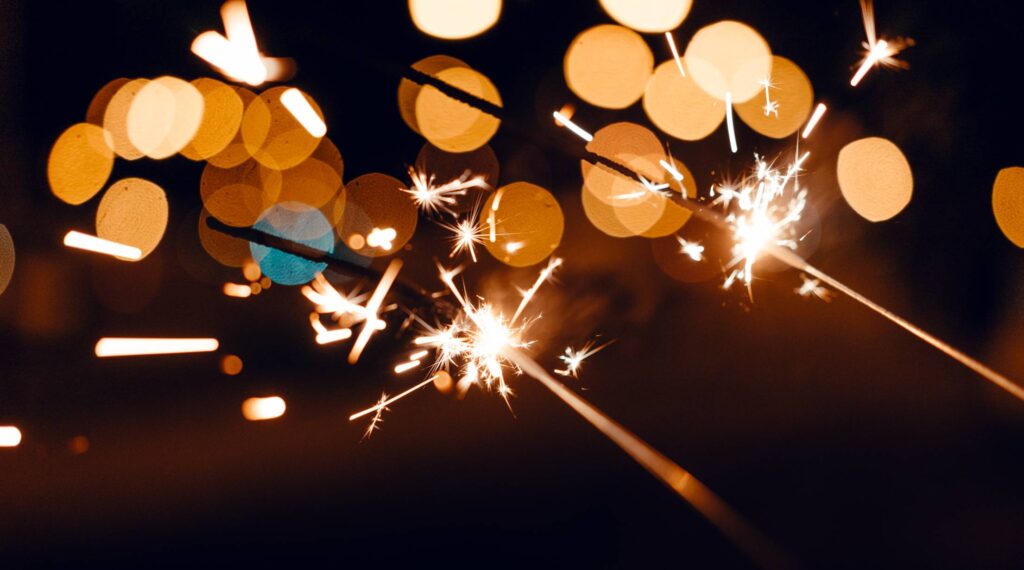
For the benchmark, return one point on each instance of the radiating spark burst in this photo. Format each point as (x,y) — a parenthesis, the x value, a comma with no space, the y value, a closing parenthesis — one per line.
(692,249)
(476,342)
(434,199)
(768,203)
(466,234)
(378,416)
(811,286)
(878,52)
(770,107)
(574,358)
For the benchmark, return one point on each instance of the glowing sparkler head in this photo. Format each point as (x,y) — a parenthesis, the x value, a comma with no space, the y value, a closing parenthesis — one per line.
(432,198)
(768,204)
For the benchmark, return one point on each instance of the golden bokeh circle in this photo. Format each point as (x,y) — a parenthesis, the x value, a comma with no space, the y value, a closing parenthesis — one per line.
(408,90)
(454,19)
(100,101)
(679,107)
(791,90)
(452,125)
(728,57)
(133,212)
(164,116)
(651,16)
(376,201)
(115,119)
(314,181)
(875,178)
(80,163)
(608,66)
(528,224)
(272,135)
(1008,203)
(7,258)
(235,152)
(222,116)
(224,249)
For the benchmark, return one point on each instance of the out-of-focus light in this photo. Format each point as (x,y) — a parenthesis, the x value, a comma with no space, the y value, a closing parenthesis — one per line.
(108,347)
(381,238)
(237,290)
(299,107)
(87,242)
(406,366)
(226,56)
(78,445)
(651,16)
(10,436)
(258,409)
(564,121)
(819,112)
(251,270)
(454,19)
(231,365)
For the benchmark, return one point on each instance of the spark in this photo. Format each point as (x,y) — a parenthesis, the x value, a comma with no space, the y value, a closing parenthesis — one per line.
(381,238)
(770,107)
(237,290)
(329,300)
(406,366)
(237,56)
(476,341)
(467,233)
(108,347)
(692,249)
(767,209)
(878,52)
(819,112)
(299,107)
(94,244)
(325,335)
(259,409)
(811,286)
(371,322)
(573,358)
(729,122)
(675,53)
(433,199)
(563,121)
(378,416)
(672,170)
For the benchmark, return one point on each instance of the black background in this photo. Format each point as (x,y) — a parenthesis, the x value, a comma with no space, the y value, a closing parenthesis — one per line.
(843,438)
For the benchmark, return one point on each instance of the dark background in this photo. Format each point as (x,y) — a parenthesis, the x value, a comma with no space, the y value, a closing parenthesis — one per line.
(843,438)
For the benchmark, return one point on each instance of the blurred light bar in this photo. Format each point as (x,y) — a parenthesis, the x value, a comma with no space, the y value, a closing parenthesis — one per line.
(258,409)
(819,111)
(10,436)
(87,242)
(107,347)
(236,290)
(299,107)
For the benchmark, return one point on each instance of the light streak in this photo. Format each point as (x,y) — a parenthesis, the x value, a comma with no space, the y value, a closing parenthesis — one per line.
(729,122)
(675,53)
(237,290)
(109,347)
(692,249)
(370,324)
(329,300)
(10,436)
(816,116)
(564,121)
(94,244)
(877,52)
(325,335)
(299,107)
(573,359)
(432,198)
(672,170)
(259,409)
(237,56)
(406,366)
(545,274)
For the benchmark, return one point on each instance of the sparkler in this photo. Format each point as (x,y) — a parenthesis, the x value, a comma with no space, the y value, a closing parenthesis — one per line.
(433,199)
(878,52)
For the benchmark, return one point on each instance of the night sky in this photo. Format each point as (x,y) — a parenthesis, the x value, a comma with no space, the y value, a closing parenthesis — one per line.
(844,439)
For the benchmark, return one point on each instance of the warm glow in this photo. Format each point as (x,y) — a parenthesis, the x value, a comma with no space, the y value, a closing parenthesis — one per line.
(257,409)
(237,290)
(874,178)
(87,242)
(608,66)
(10,436)
(454,19)
(108,347)
(651,16)
(562,120)
(299,107)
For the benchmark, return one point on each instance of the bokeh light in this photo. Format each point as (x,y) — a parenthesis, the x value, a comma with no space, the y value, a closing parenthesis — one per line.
(790,89)
(268,408)
(222,117)
(10,436)
(298,223)
(679,107)
(652,16)
(133,212)
(80,163)
(608,66)
(1007,203)
(875,178)
(728,58)
(454,19)
(528,224)
(272,135)
(7,258)
(452,125)
(164,116)
(231,365)
(376,202)
(115,119)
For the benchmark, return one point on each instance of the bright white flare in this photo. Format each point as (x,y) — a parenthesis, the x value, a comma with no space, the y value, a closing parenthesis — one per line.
(109,347)
(299,107)
(10,436)
(563,121)
(877,52)
(816,116)
(433,199)
(692,249)
(94,244)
